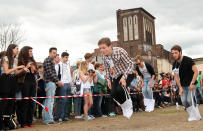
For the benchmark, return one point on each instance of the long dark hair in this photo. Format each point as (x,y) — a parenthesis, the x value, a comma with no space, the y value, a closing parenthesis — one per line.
(24,58)
(9,54)
(2,54)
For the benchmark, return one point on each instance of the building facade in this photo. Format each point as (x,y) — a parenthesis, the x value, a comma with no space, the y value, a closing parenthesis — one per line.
(136,34)
(199,63)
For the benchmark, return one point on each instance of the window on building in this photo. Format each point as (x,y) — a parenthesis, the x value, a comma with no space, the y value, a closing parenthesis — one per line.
(130,28)
(148,37)
(135,26)
(125,29)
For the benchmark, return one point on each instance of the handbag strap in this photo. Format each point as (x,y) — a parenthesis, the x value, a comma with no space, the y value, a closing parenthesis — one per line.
(126,92)
(192,97)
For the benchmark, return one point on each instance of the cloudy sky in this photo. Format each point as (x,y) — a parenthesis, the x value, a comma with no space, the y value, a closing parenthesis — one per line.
(77,25)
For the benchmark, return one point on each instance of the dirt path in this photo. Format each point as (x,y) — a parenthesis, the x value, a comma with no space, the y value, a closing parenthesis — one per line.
(168,119)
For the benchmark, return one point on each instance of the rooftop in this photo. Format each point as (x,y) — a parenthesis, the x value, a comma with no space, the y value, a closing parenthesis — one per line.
(133,9)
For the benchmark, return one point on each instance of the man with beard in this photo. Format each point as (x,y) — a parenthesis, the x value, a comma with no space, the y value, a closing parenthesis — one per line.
(185,72)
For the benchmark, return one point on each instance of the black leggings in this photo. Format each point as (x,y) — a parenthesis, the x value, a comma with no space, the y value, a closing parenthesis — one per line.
(25,108)
(7,90)
(118,92)
(8,84)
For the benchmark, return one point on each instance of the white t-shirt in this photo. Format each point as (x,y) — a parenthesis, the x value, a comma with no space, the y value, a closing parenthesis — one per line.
(65,72)
(57,68)
(14,64)
(144,71)
(84,85)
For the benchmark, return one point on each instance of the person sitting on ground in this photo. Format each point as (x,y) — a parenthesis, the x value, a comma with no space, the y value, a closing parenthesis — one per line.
(157,95)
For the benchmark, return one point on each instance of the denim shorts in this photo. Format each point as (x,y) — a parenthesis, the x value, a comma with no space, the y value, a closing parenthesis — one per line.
(87,90)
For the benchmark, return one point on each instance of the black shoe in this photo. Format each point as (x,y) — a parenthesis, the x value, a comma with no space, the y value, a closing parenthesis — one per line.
(56,119)
(52,123)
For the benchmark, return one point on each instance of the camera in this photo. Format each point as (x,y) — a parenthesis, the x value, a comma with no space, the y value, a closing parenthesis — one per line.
(91,71)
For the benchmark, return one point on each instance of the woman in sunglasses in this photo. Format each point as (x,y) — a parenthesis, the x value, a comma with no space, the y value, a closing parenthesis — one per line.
(146,71)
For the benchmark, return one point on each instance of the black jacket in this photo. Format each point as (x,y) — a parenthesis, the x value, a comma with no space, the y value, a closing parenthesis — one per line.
(150,69)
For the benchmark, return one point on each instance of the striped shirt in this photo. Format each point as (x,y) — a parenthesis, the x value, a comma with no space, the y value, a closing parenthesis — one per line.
(118,63)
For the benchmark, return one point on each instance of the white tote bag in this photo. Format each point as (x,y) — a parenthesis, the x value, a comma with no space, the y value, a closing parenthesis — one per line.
(127,106)
(193,111)
(151,105)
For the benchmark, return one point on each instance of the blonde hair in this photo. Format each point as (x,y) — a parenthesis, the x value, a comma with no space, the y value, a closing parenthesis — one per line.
(138,57)
(78,64)
(83,67)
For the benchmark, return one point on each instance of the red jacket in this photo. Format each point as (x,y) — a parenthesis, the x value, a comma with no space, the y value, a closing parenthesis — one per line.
(164,82)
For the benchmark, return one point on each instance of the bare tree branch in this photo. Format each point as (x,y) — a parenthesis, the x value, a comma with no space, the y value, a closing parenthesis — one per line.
(10,34)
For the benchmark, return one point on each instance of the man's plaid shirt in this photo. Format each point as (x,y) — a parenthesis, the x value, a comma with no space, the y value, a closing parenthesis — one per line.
(49,71)
(122,63)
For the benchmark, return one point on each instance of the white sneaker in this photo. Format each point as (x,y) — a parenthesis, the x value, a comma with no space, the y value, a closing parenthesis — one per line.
(104,116)
(178,107)
(88,118)
(91,116)
(60,120)
(78,117)
(160,107)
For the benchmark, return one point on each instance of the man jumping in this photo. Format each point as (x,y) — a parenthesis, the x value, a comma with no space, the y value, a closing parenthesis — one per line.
(119,74)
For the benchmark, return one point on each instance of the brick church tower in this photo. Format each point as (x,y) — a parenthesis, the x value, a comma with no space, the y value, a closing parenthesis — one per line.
(136,31)
(136,34)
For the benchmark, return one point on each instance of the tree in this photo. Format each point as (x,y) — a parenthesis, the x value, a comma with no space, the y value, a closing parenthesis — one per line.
(10,34)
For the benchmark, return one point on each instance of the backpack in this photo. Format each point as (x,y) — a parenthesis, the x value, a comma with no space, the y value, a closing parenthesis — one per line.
(77,81)
(9,121)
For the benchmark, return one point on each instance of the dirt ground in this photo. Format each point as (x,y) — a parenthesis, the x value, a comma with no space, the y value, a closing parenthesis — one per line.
(167,119)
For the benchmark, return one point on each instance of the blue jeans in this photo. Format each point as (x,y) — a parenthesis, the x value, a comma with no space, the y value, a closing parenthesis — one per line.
(186,97)
(134,83)
(18,95)
(68,107)
(61,103)
(146,90)
(97,106)
(49,102)
(199,89)
(77,105)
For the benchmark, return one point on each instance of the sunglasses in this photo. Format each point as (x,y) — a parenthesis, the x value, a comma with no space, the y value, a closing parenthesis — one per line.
(138,64)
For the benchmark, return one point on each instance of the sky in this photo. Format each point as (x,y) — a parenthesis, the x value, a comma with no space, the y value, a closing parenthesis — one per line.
(76,26)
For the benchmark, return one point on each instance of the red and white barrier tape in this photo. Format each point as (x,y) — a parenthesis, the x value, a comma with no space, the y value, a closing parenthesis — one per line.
(44,107)
(71,96)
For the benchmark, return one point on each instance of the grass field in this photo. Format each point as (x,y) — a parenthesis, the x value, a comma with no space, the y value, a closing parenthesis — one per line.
(167,119)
